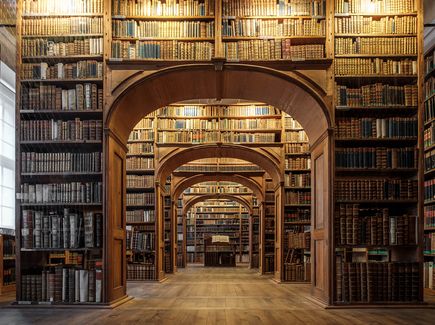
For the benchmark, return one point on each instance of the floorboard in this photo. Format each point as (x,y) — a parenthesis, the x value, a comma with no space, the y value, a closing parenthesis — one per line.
(198,295)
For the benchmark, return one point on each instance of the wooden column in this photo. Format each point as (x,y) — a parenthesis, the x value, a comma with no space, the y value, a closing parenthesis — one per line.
(279,232)
(322,253)
(115,264)
(160,232)
(174,236)
(251,234)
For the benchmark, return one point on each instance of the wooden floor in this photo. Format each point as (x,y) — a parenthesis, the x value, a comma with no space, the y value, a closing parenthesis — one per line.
(200,295)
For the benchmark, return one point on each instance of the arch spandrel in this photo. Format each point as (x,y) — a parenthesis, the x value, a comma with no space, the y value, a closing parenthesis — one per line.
(205,197)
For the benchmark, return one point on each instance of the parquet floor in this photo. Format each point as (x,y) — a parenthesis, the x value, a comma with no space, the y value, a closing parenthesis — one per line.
(199,295)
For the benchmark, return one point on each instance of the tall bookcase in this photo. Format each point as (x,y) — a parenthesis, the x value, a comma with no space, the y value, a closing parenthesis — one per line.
(377,217)
(429,169)
(59,151)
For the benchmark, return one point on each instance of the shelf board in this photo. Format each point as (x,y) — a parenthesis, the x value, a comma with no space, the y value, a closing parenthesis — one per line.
(297,223)
(430,172)
(377,141)
(373,55)
(429,202)
(60,204)
(431,147)
(226,130)
(139,205)
(369,246)
(66,58)
(140,17)
(429,228)
(297,153)
(8,258)
(140,154)
(63,36)
(298,170)
(141,141)
(299,37)
(376,110)
(62,174)
(52,15)
(63,81)
(60,142)
(378,76)
(367,14)
(187,39)
(60,112)
(81,249)
(274,17)
(140,222)
(375,35)
(297,205)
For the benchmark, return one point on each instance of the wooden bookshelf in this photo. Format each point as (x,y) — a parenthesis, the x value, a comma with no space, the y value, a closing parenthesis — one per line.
(363,158)
(7,262)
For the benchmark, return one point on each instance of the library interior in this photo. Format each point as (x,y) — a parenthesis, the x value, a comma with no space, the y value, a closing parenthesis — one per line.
(217,161)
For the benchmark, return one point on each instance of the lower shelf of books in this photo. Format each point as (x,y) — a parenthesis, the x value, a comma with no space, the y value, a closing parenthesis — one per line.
(141,272)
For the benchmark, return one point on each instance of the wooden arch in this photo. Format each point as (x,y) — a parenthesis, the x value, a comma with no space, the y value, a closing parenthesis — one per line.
(143,92)
(248,182)
(291,92)
(205,197)
(180,156)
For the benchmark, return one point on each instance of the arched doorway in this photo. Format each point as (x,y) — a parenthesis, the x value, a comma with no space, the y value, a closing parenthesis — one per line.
(290,93)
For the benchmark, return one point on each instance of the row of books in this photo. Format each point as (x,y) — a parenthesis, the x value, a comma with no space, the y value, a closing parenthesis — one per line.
(375,189)
(294,272)
(163,8)
(298,215)
(299,240)
(429,216)
(429,243)
(273,27)
(73,192)
(140,181)
(60,26)
(429,160)
(376,157)
(261,123)
(140,148)
(428,275)
(429,62)
(369,25)
(133,216)
(211,124)
(299,163)
(82,97)
(61,230)
(60,162)
(296,148)
(145,271)
(377,281)
(59,130)
(429,189)
(377,95)
(141,134)
(166,50)
(64,7)
(429,87)
(297,197)
(8,246)
(9,275)
(272,49)
(140,241)
(139,163)
(295,136)
(297,180)
(215,168)
(429,110)
(67,47)
(376,66)
(218,111)
(376,45)
(78,70)
(357,226)
(273,8)
(162,29)
(381,128)
(429,135)
(291,123)
(377,7)
(140,199)
(63,284)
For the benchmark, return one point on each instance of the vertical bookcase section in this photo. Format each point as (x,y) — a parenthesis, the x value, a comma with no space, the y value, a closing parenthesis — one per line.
(377,217)
(59,152)
(7,261)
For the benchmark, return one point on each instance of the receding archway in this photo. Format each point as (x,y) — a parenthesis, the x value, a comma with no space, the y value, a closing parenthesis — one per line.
(144,93)
(217,196)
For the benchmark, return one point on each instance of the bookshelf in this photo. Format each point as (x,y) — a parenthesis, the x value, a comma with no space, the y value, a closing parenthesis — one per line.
(377,155)
(297,202)
(429,220)
(59,152)
(7,261)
